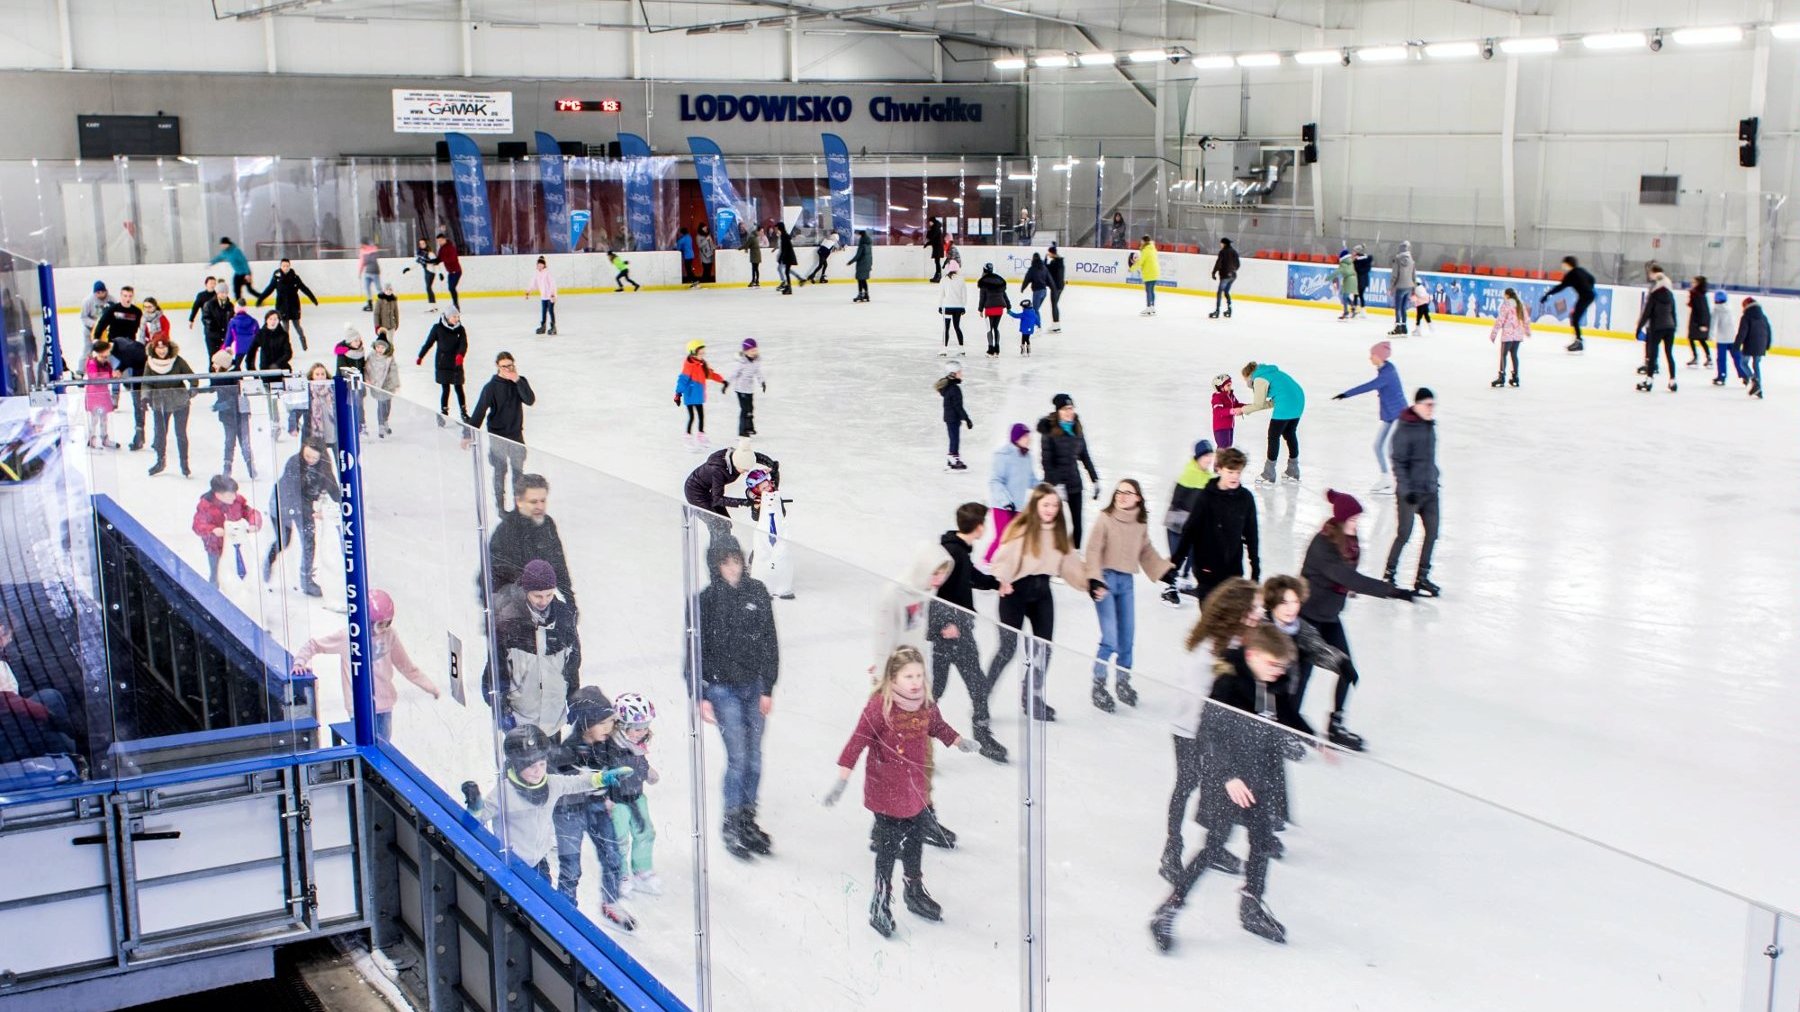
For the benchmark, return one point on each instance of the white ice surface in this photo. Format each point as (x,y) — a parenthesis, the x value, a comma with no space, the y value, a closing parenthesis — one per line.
(1612,654)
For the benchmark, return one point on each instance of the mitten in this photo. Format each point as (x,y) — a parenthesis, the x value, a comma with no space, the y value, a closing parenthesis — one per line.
(765,388)
(1096,495)
(471,795)
(1338,397)
(419,361)
(970,423)
(459,360)
(836,792)
(965,744)
(612,777)
(724,386)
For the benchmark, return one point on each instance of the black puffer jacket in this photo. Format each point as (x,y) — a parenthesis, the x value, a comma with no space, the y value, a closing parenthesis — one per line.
(1333,579)
(287,289)
(518,540)
(300,486)
(990,291)
(1700,313)
(1658,314)
(1063,451)
(1220,530)
(1753,334)
(960,586)
(452,343)
(272,349)
(738,645)
(1414,452)
(705,486)
(1226,264)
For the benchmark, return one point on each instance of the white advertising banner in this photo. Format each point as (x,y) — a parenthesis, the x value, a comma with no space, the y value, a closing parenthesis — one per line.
(435,112)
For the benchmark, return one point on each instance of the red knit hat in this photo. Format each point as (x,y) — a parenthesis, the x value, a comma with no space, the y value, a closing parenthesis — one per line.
(1343,505)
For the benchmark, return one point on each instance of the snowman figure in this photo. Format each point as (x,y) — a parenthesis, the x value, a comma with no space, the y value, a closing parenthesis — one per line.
(771,561)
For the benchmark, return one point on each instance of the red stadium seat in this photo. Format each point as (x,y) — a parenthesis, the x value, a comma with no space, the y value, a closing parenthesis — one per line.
(1484,270)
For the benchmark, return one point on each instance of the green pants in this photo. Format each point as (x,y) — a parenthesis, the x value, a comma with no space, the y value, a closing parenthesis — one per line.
(635,833)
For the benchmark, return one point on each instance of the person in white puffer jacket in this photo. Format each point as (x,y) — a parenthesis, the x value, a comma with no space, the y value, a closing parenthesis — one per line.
(953,300)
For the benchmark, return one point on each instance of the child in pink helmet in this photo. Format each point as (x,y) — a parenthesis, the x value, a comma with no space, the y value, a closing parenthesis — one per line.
(390,654)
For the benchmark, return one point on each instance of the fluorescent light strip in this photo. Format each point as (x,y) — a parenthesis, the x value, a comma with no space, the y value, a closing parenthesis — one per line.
(1212,63)
(1259,60)
(1313,57)
(1452,50)
(1096,59)
(1147,55)
(1021,177)
(985,186)
(1710,36)
(1057,61)
(1010,63)
(1382,54)
(1615,40)
(1790,30)
(1519,47)
(897,207)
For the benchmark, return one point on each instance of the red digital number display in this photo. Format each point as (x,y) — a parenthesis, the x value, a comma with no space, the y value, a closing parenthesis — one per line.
(611,105)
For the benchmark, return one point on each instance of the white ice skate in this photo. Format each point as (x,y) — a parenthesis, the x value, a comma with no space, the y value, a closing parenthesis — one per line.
(1056,328)
(648,883)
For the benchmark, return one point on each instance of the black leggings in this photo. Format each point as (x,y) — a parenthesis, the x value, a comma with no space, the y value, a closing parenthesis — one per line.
(746,414)
(953,318)
(696,417)
(1187,780)
(1582,302)
(1697,344)
(993,335)
(454,279)
(1665,340)
(1509,349)
(862,288)
(1288,430)
(961,654)
(1422,314)
(1259,820)
(1332,633)
(898,838)
(462,401)
(1055,303)
(1030,602)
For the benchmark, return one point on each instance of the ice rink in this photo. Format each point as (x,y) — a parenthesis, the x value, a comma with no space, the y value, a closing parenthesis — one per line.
(1611,654)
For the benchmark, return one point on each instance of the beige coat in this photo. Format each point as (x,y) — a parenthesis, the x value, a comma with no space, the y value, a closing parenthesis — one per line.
(1010,562)
(1119,543)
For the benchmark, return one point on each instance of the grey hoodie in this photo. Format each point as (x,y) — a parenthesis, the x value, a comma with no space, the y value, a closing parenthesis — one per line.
(1405,274)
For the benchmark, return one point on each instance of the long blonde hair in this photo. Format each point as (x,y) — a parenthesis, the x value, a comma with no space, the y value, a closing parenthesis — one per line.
(896,662)
(1027,525)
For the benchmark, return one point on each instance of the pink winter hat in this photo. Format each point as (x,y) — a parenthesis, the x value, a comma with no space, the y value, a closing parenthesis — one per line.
(1380,350)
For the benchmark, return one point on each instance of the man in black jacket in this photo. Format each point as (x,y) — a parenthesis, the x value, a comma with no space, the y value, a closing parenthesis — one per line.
(1364,265)
(951,630)
(1053,261)
(527,532)
(1754,337)
(1221,528)
(287,288)
(1225,269)
(1656,323)
(215,318)
(502,407)
(1576,277)
(1064,450)
(1414,452)
(307,478)
(934,245)
(740,660)
(202,298)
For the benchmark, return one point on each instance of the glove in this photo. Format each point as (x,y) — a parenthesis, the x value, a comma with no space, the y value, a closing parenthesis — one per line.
(724,386)
(677,398)
(471,795)
(1411,498)
(965,744)
(1096,495)
(836,792)
(1095,587)
(459,359)
(765,388)
(612,777)
(969,423)
(419,361)
(1339,397)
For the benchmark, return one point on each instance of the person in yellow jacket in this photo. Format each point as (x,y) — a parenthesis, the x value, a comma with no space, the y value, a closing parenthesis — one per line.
(1147,270)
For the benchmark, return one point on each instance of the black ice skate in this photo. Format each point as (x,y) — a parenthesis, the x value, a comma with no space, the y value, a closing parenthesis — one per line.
(881,918)
(1397,332)
(1170,866)
(618,917)
(1718,381)
(1499,381)
(1342,736)
(934,832)
(1102,699)
(1162,924)
(1425,588)
(1228,310)
(1574,345)
(1254,915)
(1514,381)
(755,838)
(733,836)
(1213,315)
(540,330)
(1125,692)
(1645,385)
(920,902)
(1671,386)
(990,748)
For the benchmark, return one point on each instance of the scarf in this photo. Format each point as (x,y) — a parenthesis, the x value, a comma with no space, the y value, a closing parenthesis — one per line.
(160,366)
(537,793)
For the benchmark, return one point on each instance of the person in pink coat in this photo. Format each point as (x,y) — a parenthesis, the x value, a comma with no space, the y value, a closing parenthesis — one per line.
(390,655)
(100,399)
(545,286)
(1512,327)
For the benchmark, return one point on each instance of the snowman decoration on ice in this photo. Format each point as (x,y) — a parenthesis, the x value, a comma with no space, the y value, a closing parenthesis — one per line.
(237,569)
(770,559)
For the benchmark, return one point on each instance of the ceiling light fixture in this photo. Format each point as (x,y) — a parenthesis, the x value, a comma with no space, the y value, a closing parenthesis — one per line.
(1314,57)
(1096,59)
(1259,60)
(1213,62)
(1614,40)
(1055,61)
(1791,30)
(1452,50)
(1381,54)
(1010,63)
(1709,36)
(1147,55)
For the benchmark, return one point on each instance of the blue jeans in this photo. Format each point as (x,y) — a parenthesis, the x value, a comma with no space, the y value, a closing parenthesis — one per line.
(1730,351)
(1224,292)
(1402,296)
(737,708)
(1118,624)
(585,815)
(1038,295)
(1381,444)
(1150,294)
(1751,364)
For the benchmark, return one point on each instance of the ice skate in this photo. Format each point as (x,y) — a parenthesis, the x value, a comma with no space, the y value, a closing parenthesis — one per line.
(1125,692)
(157,468)
(732,836)
(934,832)
(553,330)
(1254,915)
(1342,736)
(1574,345)
(618,917)
(1756,391)
(648,883)
(1102,699)
(1397,332)
(920,902)
(1423,587)
(956,464)
(310,588)
(1718,381)
(1514,381)
(881,918)
(758,841)
(368,307)
(990,748)
(1499,381)
(1162,924)
(1671,386)
(1056,328)
(1293,470)
(1171,597)
(540,330)
(1389,577)
(1644,385)
(1267,477)
(1144,312)
(1170,865)
(1228,311)
(627,886)
(1213,315)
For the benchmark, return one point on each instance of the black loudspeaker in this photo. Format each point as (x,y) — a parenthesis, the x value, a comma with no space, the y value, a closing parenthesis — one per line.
(613,150)
(443,152)
(1309,137)
(1747,142)
(512,151)
(575,149)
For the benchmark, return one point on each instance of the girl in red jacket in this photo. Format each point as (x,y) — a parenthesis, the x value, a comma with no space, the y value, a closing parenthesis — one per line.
(690,391)
(1223,401)
(895,728)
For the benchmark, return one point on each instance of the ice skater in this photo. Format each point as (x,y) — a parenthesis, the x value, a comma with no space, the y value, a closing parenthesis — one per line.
(1282,598)
(1063,443)
(214,516)
(539,651)
(1225,272)
(521,806)
(1510,329)
(307,479)
(862,263)
(785,258)
(452,343)
(1403,277)
(992,300)
(1224,412)
(740,662)
(587,749)
(169,402)
(951,624)
(895,730)
(1010,480)
(1753,340)
(621,272)
(384,382)
(953,299)
(1345,283)
(1364,262)
(1036,280)
(690,392)
(1656,326)
(287,287)
(1117,549)
(452,263)
(241,278)
(1576,278)
(424,258)
(1391,397)
(1149,273)
(543,283)
(747,377)
(1037,547)
(233,409)
(1278,393)
(1195,475)
(632,826)
(1221,529)
(1415,467)
(1699,322)
(1054,264)
(704,488)
(1724,329)
(501,408)
(956,417)
(387,313)
(1029,321)
(390,656)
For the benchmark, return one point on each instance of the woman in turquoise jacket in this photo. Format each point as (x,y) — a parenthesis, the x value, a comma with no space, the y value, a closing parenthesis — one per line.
(1277,392)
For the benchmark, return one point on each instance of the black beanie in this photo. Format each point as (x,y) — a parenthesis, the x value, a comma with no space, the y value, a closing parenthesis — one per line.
(1424,394)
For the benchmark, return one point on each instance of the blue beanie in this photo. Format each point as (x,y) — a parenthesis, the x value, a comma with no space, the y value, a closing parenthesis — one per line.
(1719,295)
(99,286)
(1202,448)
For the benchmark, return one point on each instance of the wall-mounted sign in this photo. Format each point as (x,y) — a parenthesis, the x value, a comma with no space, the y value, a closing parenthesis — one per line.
(436,112)
(610,105)
(709,108)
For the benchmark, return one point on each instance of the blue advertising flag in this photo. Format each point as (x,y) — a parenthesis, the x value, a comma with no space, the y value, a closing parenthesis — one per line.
(471,194)
(715,185)
(837,175)
(640,199)
(578,223)
(556,190)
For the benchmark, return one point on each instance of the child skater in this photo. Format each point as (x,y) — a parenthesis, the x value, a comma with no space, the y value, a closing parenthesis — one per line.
(630,810)
(384,381)
(100,400)
(390,656)
(690,392)
(894,728)
(588,748)
(1511,327)
(1224,411)
(545,286)
(955,416)
(953,301)
(747,376)
(623,268)
(525,817)
(1029,321)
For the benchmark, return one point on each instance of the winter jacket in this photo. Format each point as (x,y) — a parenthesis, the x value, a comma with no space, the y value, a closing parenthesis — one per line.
(525,817)
(1222,403)
(704,248)
(1365,265)
(171,396)
(210,515)
(1405,272)
(635,757)
(960,587)
(1062,450)
(214,313)
(1148,269)
(1188,486)
(271,349)
(904,615)
(1225,265)
(684,244)
(746,374)
(705,486)
(1010,562)
(118,322)
(299,486)
(690,383)
(1577,278)
(229,403)
(240,336)
(953,292)
(1699,314)
(98,396)
(786,253)
(517,540)
(1724,324)
(354,359)
(1510,327)
(543,283)
(1221,529)
(452,344)
(1753,333)
(990,292)
(951,392)
(424,259)
(390,656)
(129,353)
(387,313)
(1029,320)
(753,246)
(383,371)
(1237,746)
(1117,542)
(1036,276)
(287,288)
(155,327)
(894,781)
(1011,478)
(449,258)
(368,260)
(864,257)
(1658,314)
(1346,274)
(1414,453)
(934,240)
(1333,579)
(1386,384)
(502,406)
(1272,388)
(1054,265)
(540,662)
(234,258)
(92,309)
(738,645)
(1311,650)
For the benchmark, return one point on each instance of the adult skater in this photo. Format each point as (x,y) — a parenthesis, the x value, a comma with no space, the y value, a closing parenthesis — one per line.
(1345,283)
(1511,328)
(747,377)
(1656,324)
(1148,273)
(271,348)
(169,400)
(1724,329)
(1416,470)
(684,248)
(215,320)
(751,239)
(1064,449)
(501,408)
(828,244)
(706,252)
(956,417)
(306,479)
(1753,340)
(934,248)
(1221,529)
(1364,262)
(1117,550)
(287,287)
(1010,481)
(1391,398)
(992,300)
(1225,615)
(1574,277)
(785,258)
(1225,271)
(953,299)
(452,343)
(241,278)
(704,488)
(1330,569)
(368,267)
(1037,546)
(740,661)
(862,261)
(951,630)
(208,292)
(451,260)
(426,259)
(1036,280)
(1699,322)
(1054,263)
(526,532)
(92,308)
(1403,277)
(1118,231)
(1242,774)
(1276,392)
(539,650)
